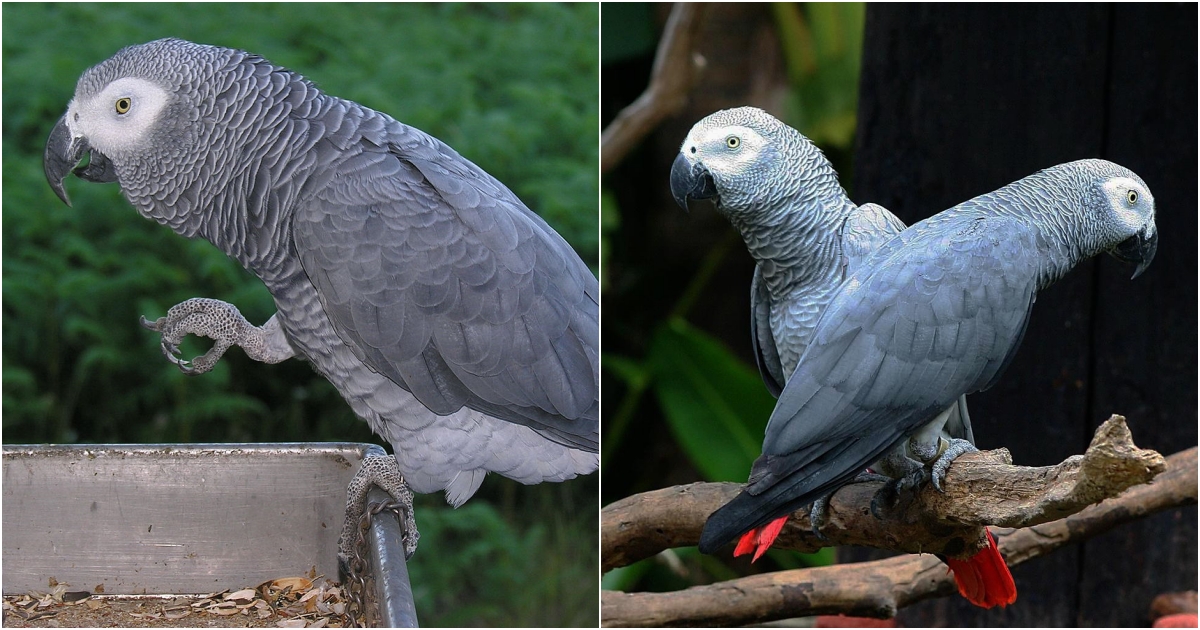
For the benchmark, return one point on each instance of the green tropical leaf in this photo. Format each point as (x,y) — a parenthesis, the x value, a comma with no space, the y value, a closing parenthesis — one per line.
(716,405)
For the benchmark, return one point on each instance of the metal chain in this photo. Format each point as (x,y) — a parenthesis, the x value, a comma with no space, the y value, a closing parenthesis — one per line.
(358,570)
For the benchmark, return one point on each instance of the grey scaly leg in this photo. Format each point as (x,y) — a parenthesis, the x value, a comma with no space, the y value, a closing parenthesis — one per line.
(909,469)
(223,323)
(938,455)
(955,448)
(379,470)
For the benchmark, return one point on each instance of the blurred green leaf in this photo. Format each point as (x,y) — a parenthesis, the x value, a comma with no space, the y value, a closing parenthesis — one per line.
(794,560)
(629,370)
(822,47)
(716,406)
(629,31)
(626,578)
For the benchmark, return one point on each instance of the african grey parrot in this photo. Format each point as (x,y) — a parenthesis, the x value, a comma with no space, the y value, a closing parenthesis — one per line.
(450,317)
(935,312)
(807,237)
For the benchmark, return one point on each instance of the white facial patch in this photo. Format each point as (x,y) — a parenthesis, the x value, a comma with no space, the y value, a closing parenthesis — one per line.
(1131,202)
(119,117)
(726,150)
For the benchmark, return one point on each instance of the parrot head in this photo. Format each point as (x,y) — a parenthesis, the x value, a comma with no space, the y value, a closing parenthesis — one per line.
(123,109)
(725,158)
(1131,210)
(749,163)
(145,117)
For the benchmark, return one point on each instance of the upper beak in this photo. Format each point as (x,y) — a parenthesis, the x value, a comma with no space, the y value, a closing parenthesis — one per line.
(63,152)
(690,181)
(1138,249)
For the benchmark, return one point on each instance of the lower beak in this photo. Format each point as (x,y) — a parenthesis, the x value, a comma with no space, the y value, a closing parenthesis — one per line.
(1138,249)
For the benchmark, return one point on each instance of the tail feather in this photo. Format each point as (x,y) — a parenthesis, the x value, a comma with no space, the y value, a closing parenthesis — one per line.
(759,539)
(984,579)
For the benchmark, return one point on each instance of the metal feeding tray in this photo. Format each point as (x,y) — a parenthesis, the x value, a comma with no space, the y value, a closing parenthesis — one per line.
(188,518)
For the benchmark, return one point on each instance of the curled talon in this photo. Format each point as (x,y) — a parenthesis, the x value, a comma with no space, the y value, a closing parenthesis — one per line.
(953,449)
(155,325)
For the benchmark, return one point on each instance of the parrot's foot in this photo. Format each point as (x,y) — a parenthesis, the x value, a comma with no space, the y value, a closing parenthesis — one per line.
(382,471)
(952,450)
(819,512)
(223,323)
(205,317)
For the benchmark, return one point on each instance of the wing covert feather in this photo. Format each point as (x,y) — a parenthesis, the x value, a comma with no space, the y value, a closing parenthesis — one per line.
(439,278)
(935,314)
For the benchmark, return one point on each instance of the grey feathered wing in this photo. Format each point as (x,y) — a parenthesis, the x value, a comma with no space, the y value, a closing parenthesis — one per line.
(866,230)
(937,312)
(439,278)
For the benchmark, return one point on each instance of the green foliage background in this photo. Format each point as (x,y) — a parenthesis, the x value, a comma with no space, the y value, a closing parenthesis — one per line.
(511,87)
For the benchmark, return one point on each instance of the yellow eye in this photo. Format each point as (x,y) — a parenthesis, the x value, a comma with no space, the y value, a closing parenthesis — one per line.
(1133,196)
(123,104)
(733,142)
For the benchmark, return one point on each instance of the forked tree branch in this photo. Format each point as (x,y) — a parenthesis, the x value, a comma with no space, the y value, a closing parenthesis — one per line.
(980,489)
(676,70)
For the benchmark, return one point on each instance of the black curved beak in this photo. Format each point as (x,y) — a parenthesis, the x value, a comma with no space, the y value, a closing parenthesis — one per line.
(1138,249)
(62,154)
(690,181)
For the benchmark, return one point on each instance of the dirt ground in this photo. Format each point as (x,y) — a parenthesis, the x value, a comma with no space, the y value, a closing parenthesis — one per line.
(283,603)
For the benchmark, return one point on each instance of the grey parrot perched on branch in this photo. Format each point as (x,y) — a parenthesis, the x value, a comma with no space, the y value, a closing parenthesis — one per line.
(450,317)
(783,196)
(807,237)
(925,316)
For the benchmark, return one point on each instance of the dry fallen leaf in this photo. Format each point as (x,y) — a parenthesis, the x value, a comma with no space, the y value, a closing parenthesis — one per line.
(296,583)
(246,594)
(75,596)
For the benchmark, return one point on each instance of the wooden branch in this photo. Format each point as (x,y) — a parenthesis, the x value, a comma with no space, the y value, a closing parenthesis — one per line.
(676,70)
(980,489)
(880,588)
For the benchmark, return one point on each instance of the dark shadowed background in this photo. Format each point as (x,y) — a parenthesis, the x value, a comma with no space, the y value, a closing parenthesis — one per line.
(949,102)
(513,88)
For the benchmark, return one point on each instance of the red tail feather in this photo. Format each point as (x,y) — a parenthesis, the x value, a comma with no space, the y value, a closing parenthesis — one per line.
(759,539)
(746,543)
(984,579)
